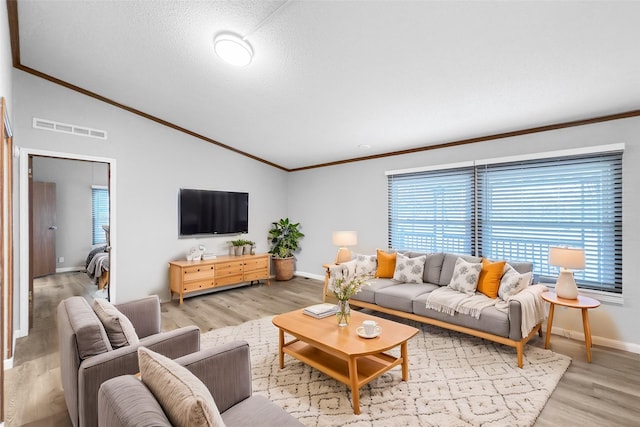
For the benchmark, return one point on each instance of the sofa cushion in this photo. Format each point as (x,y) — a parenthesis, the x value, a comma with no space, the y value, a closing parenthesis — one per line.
(366,265)
(257,410)
(492,320)
(386,264)
(513,282)
(183,397)
(119,329)
(489,280)
(409,270)
(367,293)
(91,338)
(465,276)
(449,263)
(401,296)
(433,267)
(125,401)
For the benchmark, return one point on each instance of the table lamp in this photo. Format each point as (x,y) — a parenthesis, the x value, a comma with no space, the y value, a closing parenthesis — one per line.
(566,258)
(342,239)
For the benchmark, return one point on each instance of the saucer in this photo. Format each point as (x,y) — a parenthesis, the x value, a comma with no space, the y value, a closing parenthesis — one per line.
(360,332)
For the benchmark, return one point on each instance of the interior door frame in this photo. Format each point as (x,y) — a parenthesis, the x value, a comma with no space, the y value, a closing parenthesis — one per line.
(25,238)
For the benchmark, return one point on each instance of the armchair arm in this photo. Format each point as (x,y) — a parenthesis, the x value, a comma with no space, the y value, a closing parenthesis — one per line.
(97,369)
(144,314)
(225,370)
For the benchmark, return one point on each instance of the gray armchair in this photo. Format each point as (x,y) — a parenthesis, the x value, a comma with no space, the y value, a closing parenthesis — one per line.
(87,358)
(225,370)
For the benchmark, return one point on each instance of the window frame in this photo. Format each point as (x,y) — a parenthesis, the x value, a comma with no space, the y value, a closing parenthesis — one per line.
(98,234)
(479,167)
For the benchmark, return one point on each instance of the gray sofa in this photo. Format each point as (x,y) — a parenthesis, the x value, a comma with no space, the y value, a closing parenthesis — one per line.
(225,370)
(87,358)
(409,300)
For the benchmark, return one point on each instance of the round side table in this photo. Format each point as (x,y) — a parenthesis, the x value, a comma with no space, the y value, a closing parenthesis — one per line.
(583,303)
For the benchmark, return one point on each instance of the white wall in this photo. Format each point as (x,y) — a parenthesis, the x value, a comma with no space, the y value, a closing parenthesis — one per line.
(153,163)
(73,179)
(354,196)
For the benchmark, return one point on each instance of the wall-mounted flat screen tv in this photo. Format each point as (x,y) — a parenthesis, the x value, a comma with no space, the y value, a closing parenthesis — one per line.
(212,212)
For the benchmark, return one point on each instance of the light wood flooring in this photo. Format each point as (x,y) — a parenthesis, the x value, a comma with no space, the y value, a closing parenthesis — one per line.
(603,393)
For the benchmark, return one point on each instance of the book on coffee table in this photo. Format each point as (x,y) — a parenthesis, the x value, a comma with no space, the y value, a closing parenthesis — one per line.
(320,311)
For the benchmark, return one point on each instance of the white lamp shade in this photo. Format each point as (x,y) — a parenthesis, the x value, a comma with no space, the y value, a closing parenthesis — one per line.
(570,258)
(344,238)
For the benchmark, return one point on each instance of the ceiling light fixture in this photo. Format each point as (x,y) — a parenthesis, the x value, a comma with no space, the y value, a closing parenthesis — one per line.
(233,49)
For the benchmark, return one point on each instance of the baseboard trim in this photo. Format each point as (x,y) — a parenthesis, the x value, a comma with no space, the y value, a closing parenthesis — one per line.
(310,275)
(69,269)
(8,364)
(604,342)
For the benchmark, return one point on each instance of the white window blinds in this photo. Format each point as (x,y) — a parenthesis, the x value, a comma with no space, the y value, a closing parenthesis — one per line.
(99,214)
(516,211)
(432,211)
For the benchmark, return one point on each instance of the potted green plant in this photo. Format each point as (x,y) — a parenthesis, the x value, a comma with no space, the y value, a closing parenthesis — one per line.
(238,246)
(284,237)
(248,247)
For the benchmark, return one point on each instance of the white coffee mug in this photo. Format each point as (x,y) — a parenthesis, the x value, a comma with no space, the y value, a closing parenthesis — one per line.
(370,327)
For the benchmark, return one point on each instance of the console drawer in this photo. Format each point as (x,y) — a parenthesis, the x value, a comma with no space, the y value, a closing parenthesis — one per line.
(198,273)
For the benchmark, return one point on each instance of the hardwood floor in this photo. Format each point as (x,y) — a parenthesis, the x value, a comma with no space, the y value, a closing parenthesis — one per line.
(603,393)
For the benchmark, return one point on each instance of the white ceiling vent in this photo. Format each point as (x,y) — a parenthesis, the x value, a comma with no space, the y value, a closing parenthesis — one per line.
(66,128)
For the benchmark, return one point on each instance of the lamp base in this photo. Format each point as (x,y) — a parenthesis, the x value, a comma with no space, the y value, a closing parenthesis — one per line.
(566,285)
(343,255)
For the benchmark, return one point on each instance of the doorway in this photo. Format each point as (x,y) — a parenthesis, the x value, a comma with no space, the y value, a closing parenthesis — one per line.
(67,261)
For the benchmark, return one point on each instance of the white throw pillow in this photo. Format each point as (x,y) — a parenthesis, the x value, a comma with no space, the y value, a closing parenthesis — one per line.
(465,276)
(119,328)
(513,282)
(183,397)
(409,270)
(366,265)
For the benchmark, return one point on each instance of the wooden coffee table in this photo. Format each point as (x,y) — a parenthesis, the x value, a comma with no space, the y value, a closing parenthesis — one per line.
(339,352)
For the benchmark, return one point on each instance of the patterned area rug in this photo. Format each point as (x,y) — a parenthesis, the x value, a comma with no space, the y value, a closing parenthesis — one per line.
(455,380)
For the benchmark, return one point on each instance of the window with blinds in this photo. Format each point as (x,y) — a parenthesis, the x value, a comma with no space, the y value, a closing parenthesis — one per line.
(516,211)
(99,214)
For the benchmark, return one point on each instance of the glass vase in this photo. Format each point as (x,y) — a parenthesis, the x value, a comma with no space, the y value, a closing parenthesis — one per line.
(344,313)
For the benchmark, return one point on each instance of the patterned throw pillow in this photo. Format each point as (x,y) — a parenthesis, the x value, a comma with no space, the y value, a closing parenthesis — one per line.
(366,265)
(409,270)
(513,282)
(465,276)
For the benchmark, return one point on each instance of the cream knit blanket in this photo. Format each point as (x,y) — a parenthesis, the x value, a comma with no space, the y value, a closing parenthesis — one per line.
(450,301)
(534,309)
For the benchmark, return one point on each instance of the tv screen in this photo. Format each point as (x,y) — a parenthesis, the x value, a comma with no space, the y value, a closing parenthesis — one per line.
(213,212)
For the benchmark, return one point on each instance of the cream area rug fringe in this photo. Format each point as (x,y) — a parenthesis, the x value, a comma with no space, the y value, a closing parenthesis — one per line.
(454,380)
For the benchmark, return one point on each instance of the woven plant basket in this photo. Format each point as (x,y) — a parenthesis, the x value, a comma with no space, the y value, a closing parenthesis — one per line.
(284,268)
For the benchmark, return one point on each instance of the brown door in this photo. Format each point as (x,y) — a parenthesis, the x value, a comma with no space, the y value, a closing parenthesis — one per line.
(43,205)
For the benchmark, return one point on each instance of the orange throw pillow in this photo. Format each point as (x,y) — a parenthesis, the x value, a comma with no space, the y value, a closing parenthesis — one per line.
(386,264)
(489,280)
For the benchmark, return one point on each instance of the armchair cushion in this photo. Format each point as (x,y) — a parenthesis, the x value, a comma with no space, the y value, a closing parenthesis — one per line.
(119,329)
(90,336)
(184,398)
(125,401)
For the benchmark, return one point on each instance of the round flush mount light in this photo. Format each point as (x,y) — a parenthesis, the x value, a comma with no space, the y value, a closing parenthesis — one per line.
(233,49)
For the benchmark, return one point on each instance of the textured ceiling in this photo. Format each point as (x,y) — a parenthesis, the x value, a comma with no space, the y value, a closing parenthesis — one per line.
(329,76)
